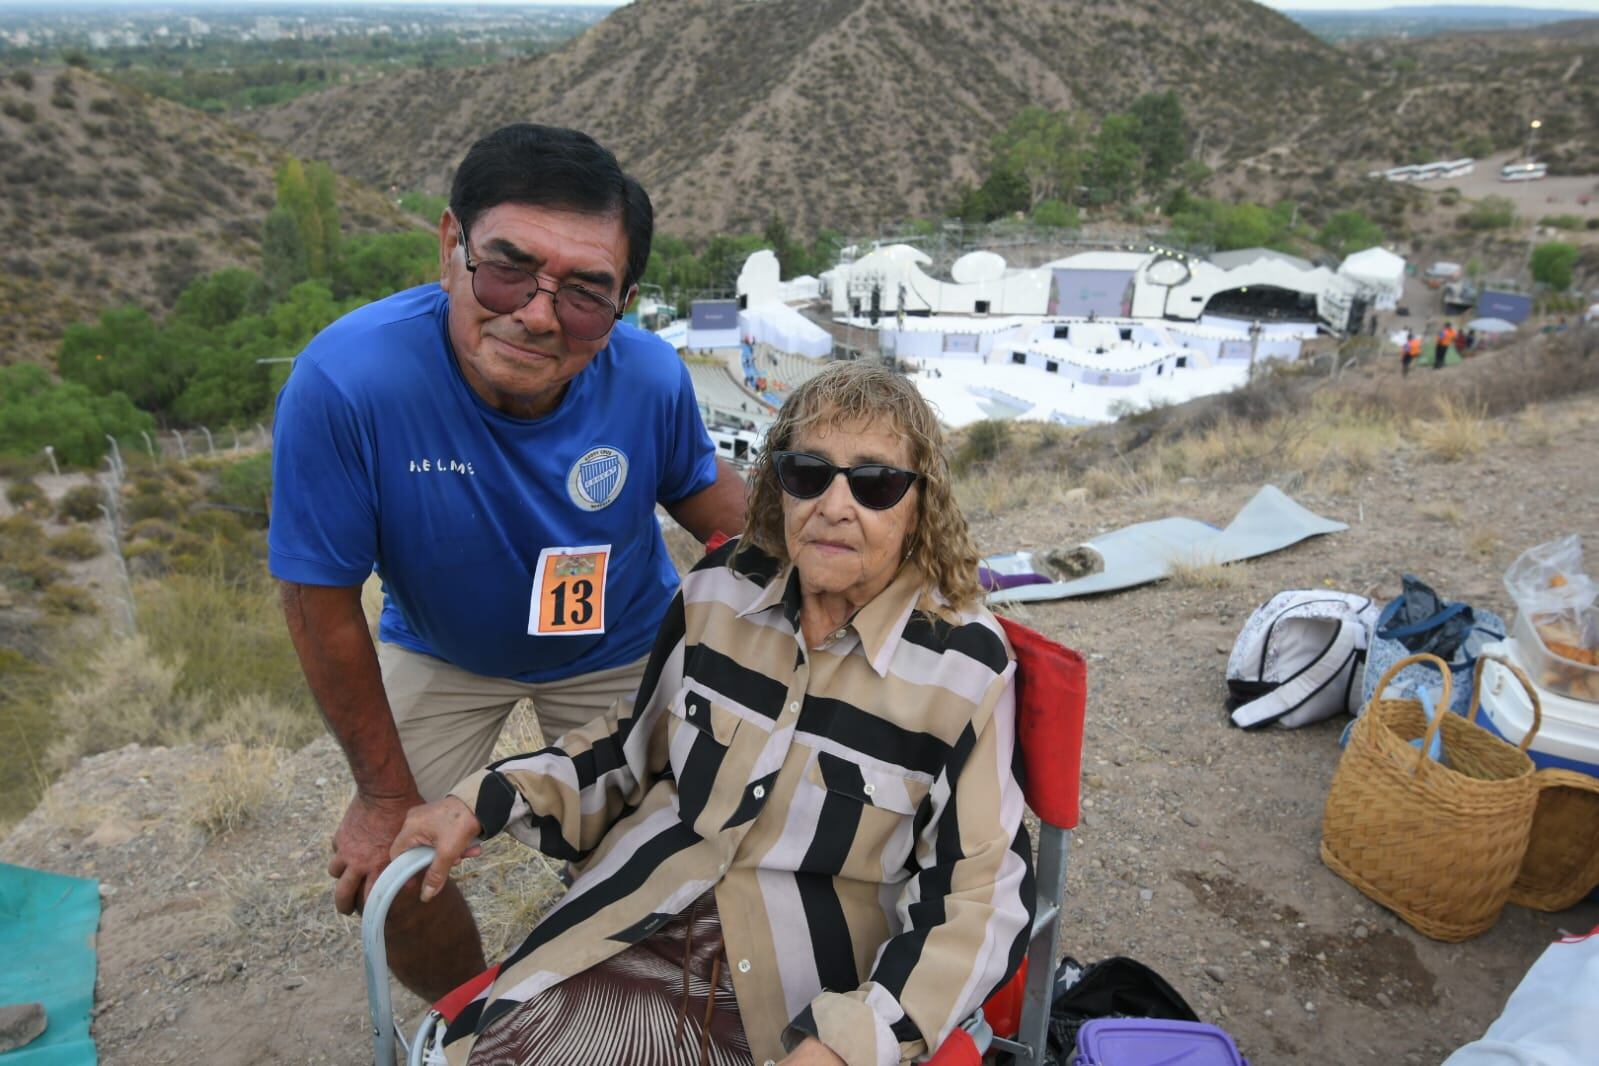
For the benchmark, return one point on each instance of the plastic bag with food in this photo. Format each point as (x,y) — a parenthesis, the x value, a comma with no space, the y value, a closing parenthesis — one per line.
(1556,600)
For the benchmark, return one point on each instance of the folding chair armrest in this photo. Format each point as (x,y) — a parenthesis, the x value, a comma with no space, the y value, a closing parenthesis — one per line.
(375,954)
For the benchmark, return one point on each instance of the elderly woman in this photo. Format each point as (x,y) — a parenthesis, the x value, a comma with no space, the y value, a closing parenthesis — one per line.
(802,841)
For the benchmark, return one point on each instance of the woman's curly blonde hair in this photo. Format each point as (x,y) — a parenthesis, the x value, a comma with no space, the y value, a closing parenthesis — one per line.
(939,543)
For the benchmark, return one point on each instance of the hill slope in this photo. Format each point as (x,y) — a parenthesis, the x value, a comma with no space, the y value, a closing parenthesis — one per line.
(844,113)
(831,112)
(112,196)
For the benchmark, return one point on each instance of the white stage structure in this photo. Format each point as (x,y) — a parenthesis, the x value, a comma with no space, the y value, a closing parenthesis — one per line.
(1379,269)
(1100,283)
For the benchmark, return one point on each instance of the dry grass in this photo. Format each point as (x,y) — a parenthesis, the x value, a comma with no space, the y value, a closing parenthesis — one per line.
(1459,430)
(511,887)
(126,696)
(1445,511)
(1483,541)
(1199,573)
(234,790)
(992,491)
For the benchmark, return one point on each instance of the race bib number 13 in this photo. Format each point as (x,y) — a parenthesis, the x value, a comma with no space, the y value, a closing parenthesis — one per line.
(569,592)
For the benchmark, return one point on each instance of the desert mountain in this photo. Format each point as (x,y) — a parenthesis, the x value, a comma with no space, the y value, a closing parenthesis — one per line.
(833,112)
(112,196)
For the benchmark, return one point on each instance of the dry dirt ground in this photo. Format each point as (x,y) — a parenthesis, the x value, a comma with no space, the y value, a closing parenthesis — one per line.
(1197,853)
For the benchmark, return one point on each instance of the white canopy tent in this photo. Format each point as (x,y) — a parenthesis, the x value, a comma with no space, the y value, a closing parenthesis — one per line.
(1382,270)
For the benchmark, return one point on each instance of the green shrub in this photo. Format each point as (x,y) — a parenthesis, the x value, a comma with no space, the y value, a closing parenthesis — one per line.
(69,599)
(30,573)
(984,442)
(1552,264)
(76,544)
(150,505)
(153,529)
(1561,221)
(1491,212)
(246,483)
(19,534)
(25,495)
(80,504)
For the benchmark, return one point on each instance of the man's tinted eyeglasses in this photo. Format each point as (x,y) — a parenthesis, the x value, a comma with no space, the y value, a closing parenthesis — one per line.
(875,485)
(584,314)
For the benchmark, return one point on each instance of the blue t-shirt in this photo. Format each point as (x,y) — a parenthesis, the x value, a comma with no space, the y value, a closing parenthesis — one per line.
(384,455)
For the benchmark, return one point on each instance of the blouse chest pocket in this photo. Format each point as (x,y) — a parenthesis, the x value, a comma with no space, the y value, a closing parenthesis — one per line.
(705,715)
(709,778)
(884,788)
(878,804)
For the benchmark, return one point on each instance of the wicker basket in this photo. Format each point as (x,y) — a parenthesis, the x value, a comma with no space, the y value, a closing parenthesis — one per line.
(1562,861)
(1439,845)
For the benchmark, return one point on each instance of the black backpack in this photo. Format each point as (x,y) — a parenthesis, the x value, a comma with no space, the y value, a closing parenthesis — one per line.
(1117,987)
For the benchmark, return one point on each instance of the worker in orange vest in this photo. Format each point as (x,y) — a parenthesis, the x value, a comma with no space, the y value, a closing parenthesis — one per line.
(1446,337)
(1409,352)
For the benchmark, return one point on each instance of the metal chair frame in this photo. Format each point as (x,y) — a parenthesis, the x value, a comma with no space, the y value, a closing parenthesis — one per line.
(1028,1048)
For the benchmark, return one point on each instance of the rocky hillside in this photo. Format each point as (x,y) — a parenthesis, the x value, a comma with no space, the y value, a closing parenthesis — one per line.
(832,112)
(111,196)
(1441,92)
(844,113)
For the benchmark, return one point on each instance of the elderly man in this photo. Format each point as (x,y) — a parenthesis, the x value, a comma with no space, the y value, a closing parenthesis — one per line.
(495,446)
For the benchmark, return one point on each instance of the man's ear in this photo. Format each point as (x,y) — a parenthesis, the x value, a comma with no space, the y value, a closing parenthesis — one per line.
(449,237)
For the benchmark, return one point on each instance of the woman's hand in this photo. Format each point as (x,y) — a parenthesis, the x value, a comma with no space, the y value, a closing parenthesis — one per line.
(450,828)
(812,1052)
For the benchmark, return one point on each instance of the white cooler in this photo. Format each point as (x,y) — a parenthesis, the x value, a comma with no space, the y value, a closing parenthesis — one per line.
(1569,735)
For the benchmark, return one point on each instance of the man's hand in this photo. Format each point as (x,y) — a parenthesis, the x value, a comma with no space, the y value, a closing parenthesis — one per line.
(361,847)
(450,828)
(812,1052)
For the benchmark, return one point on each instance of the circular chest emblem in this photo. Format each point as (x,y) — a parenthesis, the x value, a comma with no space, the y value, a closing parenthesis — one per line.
(596,479)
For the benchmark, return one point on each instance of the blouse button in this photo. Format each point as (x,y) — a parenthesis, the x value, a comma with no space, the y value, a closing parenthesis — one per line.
(743,966)
(793,708)
(870,790)
(691,711)
(760,791)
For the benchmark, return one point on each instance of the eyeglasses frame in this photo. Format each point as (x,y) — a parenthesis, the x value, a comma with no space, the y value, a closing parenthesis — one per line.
(555,293)
(777,457)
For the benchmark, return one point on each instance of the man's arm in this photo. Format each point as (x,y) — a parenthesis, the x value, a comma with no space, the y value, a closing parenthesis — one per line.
(330,636)
(717,508)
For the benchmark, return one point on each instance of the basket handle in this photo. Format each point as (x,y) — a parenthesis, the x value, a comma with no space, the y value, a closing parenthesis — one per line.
(1443,701)
(1521,676)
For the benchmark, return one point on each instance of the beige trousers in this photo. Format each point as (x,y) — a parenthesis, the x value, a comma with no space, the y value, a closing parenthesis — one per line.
(449,719)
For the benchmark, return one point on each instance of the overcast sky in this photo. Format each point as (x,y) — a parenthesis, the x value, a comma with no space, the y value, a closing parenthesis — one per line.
(1585,6)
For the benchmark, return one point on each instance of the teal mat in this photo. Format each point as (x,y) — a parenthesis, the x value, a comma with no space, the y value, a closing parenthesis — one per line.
(47,927)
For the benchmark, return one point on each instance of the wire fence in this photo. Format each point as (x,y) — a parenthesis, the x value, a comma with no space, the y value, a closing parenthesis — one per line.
(158,447)
(146,449)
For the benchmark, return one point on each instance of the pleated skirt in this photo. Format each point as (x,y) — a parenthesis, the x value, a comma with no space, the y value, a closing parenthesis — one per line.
(665,1001)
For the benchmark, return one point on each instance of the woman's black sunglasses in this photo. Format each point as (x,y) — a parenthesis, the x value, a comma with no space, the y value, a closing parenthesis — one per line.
(876,485)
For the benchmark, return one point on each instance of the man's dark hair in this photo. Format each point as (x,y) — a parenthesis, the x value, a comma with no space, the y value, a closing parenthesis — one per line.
(549,166)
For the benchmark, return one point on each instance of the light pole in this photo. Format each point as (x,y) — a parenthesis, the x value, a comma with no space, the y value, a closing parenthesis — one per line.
(1532,136)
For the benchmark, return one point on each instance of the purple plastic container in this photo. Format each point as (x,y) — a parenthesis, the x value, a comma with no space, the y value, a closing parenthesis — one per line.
(1154,1042)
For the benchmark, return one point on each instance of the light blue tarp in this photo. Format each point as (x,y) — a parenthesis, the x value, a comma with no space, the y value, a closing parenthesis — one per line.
(47,928)
(1147,551)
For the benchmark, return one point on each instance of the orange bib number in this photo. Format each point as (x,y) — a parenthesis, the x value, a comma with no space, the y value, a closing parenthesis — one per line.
(569,592)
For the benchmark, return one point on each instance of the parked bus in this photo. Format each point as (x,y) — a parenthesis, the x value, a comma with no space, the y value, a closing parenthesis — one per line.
(1523,171)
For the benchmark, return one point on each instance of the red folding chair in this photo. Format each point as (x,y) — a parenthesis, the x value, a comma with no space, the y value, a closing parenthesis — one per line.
(1051,699)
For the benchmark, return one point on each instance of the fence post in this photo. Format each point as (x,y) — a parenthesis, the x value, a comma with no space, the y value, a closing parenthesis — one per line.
(183,449)
(209,442)
(262,434)
(112,509)
(116,455)
(50,454)
(149,445)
